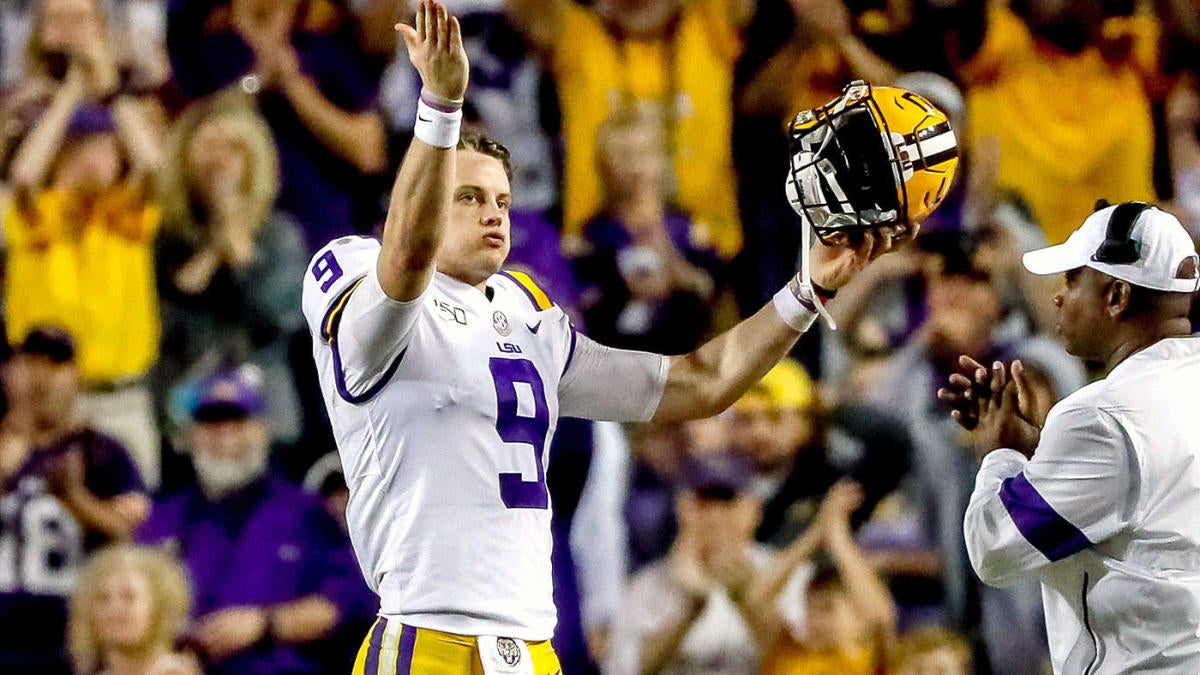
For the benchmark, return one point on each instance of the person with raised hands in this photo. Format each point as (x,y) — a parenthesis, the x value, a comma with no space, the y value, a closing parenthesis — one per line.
(445,375)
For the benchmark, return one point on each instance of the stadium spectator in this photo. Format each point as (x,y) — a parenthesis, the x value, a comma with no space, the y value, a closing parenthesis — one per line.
(311,86)
(65,490)
(849,619)
(931,651)
(965,315)
(691,611)
(647,282)
(660,454)
(649,504)
(800,447)
(1065,62)
(129,606)
(678,55)
(136,27)
(822,56)
(227,260)
(49,44)
(270,569)
(326,480)
(80,226)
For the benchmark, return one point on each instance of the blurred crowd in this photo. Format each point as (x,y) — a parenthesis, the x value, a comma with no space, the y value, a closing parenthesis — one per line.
(169,502)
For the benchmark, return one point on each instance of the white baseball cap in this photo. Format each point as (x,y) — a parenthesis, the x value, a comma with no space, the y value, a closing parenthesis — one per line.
(1134,242)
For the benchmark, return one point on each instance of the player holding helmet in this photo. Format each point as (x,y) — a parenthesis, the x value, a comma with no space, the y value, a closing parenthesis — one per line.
(444,378)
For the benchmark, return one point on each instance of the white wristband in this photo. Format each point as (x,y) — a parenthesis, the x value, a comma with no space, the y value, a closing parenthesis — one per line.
(436,127)
(794,308)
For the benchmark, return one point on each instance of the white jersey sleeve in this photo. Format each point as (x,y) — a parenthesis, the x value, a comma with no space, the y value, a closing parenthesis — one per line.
(345,306)
(618,385)
(1079,489)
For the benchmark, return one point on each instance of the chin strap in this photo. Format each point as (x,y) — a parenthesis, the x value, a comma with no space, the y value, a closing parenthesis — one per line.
(803,289)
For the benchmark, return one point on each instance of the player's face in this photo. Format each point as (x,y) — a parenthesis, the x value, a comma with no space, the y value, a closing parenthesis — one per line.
(124,610)
(477,239)
(1080,318)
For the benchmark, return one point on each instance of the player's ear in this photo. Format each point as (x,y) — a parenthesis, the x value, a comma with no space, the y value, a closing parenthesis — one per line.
(1116,297)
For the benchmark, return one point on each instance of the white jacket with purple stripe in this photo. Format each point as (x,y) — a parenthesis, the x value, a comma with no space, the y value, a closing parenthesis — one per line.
(1107,516)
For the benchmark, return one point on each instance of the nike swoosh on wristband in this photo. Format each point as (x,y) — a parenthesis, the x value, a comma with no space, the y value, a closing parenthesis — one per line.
(534,328)
(424,119)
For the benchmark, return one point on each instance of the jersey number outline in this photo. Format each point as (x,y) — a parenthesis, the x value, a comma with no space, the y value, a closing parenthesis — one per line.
(513,427)
(326,265)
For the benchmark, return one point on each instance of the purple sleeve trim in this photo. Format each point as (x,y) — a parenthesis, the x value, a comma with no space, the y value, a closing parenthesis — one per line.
(339,372)
(571,351)
(339,377)
(1038,522)
(439,106)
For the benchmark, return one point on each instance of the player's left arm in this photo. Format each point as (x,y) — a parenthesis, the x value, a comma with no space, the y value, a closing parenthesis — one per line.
(1079,489)
(708,380)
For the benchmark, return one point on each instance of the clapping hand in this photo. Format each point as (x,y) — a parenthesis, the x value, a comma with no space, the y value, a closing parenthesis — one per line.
(730,566)
(687,568)
(229,631)
(841,501)
(1001,407)
(65,474)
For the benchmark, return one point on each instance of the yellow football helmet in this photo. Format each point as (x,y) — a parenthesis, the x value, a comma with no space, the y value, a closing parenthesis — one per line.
(876,156)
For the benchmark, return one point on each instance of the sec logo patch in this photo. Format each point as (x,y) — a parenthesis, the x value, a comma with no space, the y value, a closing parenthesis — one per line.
(500,323)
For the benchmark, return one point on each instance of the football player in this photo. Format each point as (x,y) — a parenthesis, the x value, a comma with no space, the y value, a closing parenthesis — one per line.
(444,376)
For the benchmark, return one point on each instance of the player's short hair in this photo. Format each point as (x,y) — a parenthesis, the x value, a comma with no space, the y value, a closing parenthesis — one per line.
(485,145)
(170,596)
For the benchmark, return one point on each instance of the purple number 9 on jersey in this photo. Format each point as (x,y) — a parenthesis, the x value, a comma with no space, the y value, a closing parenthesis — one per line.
(516,428)
(327,265)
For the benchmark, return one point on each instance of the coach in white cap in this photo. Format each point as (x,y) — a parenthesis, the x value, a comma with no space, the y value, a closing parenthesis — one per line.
(1099,497)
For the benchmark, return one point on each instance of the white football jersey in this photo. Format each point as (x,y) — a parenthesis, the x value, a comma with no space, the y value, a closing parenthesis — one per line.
(1107,516)
(443,409)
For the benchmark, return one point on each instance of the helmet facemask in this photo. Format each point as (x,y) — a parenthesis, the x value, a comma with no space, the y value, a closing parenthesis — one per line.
(854,177)
(845,176)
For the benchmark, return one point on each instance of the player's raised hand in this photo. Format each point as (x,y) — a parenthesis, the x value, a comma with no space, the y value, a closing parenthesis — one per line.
(435,48)
(843,255)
